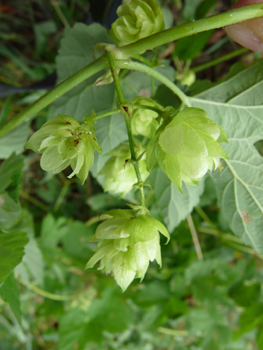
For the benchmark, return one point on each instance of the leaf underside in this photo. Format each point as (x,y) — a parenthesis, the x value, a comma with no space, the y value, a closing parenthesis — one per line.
(236,105)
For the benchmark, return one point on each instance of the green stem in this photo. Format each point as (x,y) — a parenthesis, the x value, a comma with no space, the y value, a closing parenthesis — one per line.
(44,293)
(56,92)
(62,196)
(34,201)
(203,215)
(153,79)
(219,60)
(125,112)
(173,332)
(195,27)
(60,13)
(230,240)
(142,60)
(150,71)
(9,81)
(106,114)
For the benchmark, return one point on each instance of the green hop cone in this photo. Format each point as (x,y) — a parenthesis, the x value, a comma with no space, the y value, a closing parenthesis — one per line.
(144,121)
(119,173)
(62,141)
(137,19)
(127,241)
(187,147)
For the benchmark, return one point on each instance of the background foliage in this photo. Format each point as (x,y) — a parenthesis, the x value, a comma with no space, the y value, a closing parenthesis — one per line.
(49,301)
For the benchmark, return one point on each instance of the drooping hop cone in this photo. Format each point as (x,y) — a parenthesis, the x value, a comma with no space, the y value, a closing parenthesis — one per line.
(127,241)
(187,147)
(119,173)
(144,121)
(63,141)
(137,19)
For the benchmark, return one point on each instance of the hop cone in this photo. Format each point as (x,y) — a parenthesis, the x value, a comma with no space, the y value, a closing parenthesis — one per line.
(62,141)
(127,241)
(144,121)
(119,176)
(187,147)
(137,19)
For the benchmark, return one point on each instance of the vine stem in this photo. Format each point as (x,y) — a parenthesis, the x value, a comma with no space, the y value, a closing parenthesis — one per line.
(195,27)
(138,47)
(152,72)
(125,112)
(219,60)
(44,293)
(56,92)
(106,114)
(194,237)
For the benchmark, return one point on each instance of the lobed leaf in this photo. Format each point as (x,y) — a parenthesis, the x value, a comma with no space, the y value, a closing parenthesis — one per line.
(11,252)
(236,105)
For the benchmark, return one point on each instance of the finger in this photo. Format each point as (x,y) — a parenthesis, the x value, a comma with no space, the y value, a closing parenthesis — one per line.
(248,33)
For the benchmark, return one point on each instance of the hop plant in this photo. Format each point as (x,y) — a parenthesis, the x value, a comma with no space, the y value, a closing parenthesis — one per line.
(137,19)
(119,173)
(127,241)
(144,121)
(62,141)
(187,147)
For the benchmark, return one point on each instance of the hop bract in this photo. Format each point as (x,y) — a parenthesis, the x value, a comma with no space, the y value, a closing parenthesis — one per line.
(144,121)
(187,147)
(63,142)
(128,240)
(137,19)
(119,173)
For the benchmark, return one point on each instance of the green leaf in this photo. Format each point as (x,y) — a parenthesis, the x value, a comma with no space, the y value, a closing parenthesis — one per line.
(5,110)
(10,294)
(152,294)
(72,330)
(10,181)
(251,317)
(42,32)
(189,10)
(75,53)
(111,313)
(9,212)
(236,106)
(11,174)
(53,230)
(75,241)
(11,251)
(173,205)
(14,141)
(189,47)
(33,262)
(245,295)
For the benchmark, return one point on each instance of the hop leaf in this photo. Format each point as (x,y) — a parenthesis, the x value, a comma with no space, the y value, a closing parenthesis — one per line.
(187,147)
(62,141)
(127,241)
(137,19)
(119,174)
(144,121)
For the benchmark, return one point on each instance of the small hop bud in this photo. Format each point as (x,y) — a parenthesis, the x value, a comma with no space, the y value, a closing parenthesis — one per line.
(119,173)
(186,78)
(62,141)
(187,147)
(137,19)
(127,241)
(144,121)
